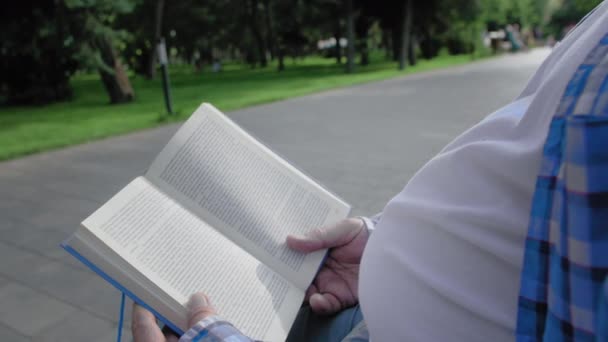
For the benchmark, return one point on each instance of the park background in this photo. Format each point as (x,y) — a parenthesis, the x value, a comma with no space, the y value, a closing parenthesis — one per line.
(76,70)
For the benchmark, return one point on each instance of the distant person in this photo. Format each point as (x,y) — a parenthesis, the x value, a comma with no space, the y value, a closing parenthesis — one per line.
(217,65)
(503,235)
(513,36)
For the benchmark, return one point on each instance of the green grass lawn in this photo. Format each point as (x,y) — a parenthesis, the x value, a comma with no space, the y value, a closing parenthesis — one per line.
(25,130)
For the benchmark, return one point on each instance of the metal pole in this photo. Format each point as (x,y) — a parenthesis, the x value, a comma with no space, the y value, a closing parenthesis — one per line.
(162,58)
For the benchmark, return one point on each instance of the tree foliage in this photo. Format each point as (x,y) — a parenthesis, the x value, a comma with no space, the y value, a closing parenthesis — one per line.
(43,43)
(569,13)
(100,40)
(37,52)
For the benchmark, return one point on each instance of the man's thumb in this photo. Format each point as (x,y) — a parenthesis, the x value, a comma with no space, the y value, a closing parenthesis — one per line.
(306,243)
(326,237)
(199,308)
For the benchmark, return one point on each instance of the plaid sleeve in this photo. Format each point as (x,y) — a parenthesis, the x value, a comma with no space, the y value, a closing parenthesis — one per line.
(602,314)
(214,329)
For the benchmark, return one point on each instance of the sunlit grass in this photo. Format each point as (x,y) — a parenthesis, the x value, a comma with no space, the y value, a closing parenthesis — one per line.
(25,130)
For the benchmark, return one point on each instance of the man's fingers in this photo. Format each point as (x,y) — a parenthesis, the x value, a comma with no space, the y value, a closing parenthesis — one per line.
(172,338)
(312,289)
(169,334)
(326,237)
(199,308)
(324,304)
(144,327)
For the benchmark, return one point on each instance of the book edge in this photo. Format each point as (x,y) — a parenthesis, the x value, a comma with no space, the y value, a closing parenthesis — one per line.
(119,287)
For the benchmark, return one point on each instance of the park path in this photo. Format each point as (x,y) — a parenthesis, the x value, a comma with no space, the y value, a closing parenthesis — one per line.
(364,142)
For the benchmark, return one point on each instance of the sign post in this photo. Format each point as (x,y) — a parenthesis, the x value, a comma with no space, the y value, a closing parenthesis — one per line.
(164,61)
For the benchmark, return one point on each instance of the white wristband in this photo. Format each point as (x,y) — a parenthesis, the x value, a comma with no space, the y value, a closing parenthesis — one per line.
(369,224)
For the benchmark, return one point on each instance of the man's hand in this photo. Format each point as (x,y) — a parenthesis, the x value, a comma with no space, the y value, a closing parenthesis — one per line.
(336,286)
(145,329)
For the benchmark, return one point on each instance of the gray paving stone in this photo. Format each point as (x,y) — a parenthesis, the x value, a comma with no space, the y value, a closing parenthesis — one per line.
(80,288)
(45,242)
(87,190)
(28,311)
(8,334)
(40,216)
(71,284)
(17,262)
(12,207)
(77,206)
(79,326)
(61,205)
(69,260)
(110,335)
(9,223)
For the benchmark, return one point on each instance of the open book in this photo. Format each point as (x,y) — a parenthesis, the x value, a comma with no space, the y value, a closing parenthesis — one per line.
(211,214)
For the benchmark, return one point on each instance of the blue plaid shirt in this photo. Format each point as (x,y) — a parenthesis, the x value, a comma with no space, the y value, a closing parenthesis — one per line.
(564,282)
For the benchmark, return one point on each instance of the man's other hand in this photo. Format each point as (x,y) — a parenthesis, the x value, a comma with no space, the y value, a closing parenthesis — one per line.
(145,329)
(336,285)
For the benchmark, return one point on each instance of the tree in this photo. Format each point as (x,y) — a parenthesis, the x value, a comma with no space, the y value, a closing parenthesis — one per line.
(158,24)
(570,12)
(362,26)
(406,30)
(270,29)
(98,44)
(44,43)
(38,52)
(322,19)
(112,73)
(291,17)
(253,20)
(350,36)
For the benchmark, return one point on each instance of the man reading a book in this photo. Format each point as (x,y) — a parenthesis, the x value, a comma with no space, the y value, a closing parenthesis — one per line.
(502,235)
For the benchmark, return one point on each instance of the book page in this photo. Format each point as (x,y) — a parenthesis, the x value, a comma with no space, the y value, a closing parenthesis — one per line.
(245,191)
(180,254)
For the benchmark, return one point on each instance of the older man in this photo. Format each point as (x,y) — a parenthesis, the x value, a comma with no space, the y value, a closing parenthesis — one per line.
(502,235)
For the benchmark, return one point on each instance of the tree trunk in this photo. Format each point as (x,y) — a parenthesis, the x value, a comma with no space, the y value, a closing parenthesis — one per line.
(406,23)
(350,36)
(338,49)
(362,27)
(386,43)
(396,43)
(113,75)
(281,58)
(338,36)
(158,22)
(473,41)
(257,35)
(272,43)
(411,55)
(364,50)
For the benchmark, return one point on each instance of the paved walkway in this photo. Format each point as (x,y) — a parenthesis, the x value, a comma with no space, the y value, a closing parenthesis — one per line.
(364,142)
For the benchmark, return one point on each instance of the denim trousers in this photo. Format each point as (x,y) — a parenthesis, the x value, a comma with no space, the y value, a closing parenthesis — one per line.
(345,326)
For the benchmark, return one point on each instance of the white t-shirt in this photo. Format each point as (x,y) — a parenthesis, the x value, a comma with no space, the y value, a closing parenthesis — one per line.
(444,261)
